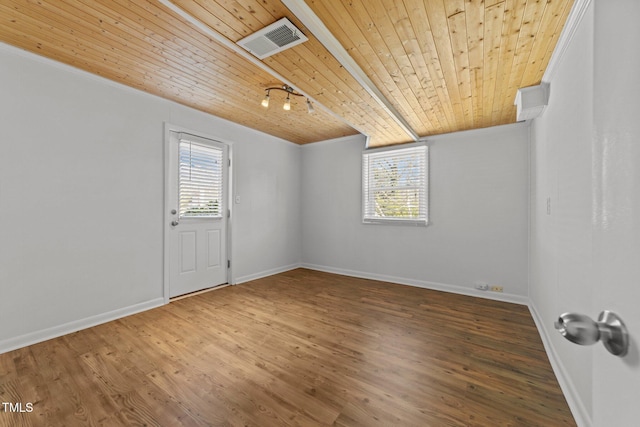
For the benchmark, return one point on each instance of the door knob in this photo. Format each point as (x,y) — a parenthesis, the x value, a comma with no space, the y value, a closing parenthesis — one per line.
(609,329)
(174,223)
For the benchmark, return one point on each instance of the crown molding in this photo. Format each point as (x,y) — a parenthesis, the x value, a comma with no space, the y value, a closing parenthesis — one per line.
(573,21)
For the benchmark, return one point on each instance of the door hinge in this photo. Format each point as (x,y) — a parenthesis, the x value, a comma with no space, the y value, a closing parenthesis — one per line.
(228,213)
(228,263)
(229,162)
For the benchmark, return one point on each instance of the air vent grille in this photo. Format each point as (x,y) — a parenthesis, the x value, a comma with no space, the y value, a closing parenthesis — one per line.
(283,36)
(272,39)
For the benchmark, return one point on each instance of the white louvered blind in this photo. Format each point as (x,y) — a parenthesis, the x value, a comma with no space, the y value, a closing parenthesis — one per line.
(200,180)
(394,185)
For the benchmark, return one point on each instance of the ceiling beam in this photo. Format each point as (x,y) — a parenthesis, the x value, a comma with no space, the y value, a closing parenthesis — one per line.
(249,57)
(308,17)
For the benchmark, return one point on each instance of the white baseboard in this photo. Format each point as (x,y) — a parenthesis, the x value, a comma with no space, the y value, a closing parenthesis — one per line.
(76,325)
(266,273)
(516,299)
(580,413)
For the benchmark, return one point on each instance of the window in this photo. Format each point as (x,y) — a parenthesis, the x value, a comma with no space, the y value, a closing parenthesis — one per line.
(394,185)
(200,180)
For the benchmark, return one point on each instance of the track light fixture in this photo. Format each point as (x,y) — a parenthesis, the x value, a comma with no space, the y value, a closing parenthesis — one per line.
(287,102)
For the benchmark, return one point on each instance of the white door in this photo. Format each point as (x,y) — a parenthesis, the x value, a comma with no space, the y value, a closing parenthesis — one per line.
(616,382)
(197,211)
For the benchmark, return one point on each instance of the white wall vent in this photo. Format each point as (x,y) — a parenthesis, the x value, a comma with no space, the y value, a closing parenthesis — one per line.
(273,38)
(531,101)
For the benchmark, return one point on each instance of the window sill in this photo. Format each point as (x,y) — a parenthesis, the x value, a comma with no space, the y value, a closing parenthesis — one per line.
(390,221)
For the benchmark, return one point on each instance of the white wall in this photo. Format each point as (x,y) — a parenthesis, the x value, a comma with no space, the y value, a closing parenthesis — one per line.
(266,226)
(81,198)
(478,227)
(561,243)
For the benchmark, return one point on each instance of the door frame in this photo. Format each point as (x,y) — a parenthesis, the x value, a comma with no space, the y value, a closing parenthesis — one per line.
(166,218)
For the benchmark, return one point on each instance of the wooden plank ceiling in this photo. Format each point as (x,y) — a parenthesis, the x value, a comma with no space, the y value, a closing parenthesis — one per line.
(442,65)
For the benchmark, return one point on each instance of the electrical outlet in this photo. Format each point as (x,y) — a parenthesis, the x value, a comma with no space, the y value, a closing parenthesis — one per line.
(495,288)
(482,286)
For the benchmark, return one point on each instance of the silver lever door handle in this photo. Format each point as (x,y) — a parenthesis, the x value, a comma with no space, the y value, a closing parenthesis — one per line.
(174,223)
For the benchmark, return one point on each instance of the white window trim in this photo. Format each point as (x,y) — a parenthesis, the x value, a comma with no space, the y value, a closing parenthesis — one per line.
(396,221)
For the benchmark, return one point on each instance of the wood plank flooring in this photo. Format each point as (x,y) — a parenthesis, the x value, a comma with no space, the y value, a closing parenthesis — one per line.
(302,348)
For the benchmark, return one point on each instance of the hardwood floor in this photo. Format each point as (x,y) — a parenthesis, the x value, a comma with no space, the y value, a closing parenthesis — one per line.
(300,348)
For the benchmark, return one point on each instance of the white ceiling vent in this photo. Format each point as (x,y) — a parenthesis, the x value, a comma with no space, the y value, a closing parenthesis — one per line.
(273,38)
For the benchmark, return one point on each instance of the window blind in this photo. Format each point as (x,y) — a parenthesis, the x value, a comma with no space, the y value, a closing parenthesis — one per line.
(395,185)
(200,180)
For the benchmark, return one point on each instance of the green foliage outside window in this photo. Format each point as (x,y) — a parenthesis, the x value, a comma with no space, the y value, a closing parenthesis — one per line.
(395,189)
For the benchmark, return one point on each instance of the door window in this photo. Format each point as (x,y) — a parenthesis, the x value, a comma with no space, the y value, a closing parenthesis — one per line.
(200,180)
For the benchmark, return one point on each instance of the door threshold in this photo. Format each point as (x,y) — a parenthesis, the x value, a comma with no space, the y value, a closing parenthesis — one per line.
(203,291)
